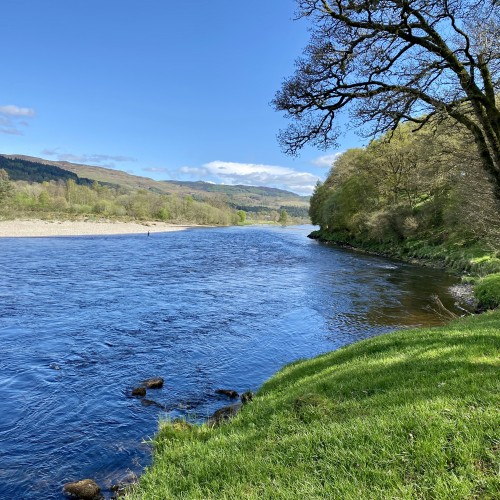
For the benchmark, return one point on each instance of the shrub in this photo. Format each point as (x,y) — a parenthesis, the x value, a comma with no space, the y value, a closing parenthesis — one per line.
(164,214)
(487,291)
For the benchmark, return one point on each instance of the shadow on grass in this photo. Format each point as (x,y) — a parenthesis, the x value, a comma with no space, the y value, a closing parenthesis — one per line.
(412,414)
(426,364)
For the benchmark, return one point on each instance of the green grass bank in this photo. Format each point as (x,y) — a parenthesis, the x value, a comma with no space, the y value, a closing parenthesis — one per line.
(456,255)
(410,414)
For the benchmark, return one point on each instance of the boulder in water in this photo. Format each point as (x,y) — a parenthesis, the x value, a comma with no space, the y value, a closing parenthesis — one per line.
(153,383)
(224,414)
(124,485)
(84,489)
(139,392)
(150,402)
(227,392)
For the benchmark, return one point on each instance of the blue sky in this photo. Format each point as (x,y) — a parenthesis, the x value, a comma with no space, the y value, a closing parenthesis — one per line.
(163,89)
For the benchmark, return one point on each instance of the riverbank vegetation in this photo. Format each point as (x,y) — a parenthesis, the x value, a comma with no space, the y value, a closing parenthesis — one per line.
(52,199)
(487,291)
(413,195)
(411,414)
(37,189)
(396,62)
(421,78)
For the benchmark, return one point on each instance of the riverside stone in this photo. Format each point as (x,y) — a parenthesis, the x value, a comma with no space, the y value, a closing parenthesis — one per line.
(139,391)
(225,413)
(153,383)
(227,392)
(246,397)
(84,489)
(150,402)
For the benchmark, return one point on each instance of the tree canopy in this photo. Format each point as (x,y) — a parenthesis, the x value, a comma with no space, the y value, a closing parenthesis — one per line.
(5,185)
(392,61)
(412,193)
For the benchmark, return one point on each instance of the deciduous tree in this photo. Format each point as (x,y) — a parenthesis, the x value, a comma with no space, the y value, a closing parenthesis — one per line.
(5,186)
(391,61)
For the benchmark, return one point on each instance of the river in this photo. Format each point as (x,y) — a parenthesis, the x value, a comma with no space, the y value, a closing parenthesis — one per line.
(83,320)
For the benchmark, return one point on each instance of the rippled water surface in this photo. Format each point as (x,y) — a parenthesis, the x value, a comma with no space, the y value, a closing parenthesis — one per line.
(85,319)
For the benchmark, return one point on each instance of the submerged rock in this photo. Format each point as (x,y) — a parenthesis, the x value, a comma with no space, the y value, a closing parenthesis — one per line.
(139,391)
(246,397)
(227,392)
(153,383)
(224,414)
(124,485)
(84,489)
(150,402)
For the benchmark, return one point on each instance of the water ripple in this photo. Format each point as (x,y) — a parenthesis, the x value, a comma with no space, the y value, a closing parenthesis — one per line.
(85,319)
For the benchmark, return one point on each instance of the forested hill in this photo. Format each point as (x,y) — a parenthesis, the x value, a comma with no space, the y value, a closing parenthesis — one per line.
(20,169)
(236,189)
(120,178)
(259,203)
(256,199)
(102,175)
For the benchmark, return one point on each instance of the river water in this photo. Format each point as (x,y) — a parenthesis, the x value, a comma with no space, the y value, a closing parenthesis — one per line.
(83,320)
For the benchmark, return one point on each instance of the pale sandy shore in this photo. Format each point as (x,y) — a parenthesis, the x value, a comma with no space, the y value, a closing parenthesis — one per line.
(39,228)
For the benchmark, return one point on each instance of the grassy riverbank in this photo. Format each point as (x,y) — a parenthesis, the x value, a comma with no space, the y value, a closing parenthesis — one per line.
(478,259)
(411,414)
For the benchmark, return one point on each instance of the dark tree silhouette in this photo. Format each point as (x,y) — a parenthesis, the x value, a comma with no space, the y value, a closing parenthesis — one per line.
(388,61)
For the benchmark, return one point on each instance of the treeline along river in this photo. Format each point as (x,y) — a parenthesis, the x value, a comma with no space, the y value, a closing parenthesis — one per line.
(84,319)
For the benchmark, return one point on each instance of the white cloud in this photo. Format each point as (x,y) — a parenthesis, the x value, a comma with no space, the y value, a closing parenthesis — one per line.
(11,110)
(326,161)
(253,174)
(12,117)
(88,159)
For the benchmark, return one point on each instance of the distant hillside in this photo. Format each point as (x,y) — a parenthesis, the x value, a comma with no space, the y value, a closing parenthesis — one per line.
(32,171)
(252,199)
(237,189)
(99,174)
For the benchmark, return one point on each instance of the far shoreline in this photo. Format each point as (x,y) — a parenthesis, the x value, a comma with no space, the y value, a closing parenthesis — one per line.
(36,228)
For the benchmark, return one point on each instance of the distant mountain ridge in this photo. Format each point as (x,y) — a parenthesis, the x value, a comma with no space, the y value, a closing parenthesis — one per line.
(22,169)
(241,197)
(235,188)
(99,174)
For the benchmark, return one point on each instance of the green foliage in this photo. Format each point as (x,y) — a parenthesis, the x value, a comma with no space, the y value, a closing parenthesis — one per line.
(300,212)
(487,291)
(73,199)
(411,414)
(164,214)
(241,216)
(318,198)
(283,218)
(5,186)
(412,194)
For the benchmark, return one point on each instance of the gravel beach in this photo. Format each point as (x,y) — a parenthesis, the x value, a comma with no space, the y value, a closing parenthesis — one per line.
(43,228)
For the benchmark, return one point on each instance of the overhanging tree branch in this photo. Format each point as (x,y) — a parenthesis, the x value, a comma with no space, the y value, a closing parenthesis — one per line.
(387,61)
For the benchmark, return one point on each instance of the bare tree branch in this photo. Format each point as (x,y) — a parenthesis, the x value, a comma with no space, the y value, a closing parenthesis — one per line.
(387,61)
